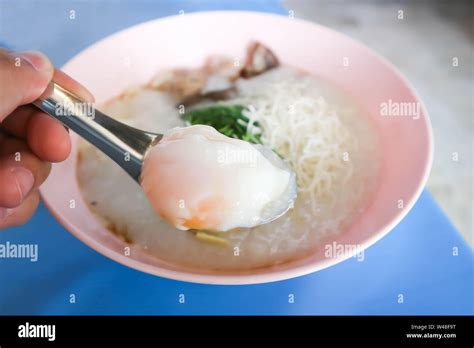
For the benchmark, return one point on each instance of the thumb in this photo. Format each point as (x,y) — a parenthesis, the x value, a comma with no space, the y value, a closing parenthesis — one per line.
(23,78)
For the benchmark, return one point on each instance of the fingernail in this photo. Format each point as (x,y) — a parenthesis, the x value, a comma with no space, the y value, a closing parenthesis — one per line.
(36,59)
(24,180)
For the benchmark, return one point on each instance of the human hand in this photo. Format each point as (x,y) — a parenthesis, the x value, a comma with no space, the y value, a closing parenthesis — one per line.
(29,139)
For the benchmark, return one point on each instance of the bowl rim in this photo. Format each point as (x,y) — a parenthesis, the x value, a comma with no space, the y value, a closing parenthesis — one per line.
(271,276)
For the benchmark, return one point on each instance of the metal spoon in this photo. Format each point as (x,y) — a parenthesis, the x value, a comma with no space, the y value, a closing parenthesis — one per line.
(126,145)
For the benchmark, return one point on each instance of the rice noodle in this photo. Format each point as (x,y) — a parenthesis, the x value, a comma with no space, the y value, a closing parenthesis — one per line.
(305,130)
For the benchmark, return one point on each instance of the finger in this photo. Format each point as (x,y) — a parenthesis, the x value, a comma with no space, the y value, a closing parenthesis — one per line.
(24,78)
(15,123)
(72,85)
(12,145)
(21,214)
(47,138)
(20,174)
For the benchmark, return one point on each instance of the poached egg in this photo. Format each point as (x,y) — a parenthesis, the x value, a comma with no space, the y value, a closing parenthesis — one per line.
(197,178)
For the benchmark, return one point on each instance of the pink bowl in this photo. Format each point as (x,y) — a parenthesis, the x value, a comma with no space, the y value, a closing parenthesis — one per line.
(132,56)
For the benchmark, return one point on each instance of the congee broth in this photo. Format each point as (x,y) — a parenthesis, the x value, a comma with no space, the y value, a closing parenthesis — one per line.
(319,132)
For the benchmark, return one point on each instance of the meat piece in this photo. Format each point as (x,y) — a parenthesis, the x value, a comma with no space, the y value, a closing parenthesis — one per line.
(215,80)
(222,72)
(222,66)
(182,84)
(259,60)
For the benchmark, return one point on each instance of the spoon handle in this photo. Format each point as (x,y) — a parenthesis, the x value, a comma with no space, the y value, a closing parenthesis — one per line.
(124,144)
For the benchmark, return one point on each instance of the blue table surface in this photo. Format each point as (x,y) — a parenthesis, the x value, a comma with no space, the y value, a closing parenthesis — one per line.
(422,267)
